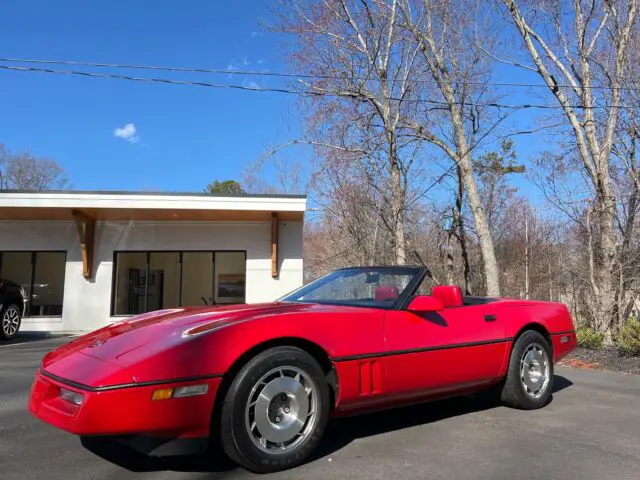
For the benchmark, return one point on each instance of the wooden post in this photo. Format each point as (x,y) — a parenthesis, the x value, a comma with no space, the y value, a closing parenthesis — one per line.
(86,227)
(274,244)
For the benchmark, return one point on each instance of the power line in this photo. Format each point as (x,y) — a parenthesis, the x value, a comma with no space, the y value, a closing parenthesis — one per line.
(228,71)
(317,93)
(234,71)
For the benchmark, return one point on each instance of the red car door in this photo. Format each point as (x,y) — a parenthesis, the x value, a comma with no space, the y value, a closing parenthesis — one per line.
(434,352)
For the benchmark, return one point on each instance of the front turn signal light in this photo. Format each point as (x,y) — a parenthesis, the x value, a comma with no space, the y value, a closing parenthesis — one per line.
(178,392)
(162,394)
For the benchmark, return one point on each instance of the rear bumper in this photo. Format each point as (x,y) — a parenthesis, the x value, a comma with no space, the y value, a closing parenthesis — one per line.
(563,344)
(124,411)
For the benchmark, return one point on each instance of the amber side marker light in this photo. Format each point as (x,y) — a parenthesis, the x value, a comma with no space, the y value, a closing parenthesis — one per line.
(178,392)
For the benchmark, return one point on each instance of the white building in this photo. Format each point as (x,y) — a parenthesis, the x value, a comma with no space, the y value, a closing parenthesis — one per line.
(89,258)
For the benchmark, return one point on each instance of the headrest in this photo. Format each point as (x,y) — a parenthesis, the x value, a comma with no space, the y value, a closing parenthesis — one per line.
(385,293)
(449,295)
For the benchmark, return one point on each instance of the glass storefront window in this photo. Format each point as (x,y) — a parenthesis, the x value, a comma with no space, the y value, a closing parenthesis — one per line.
(131,276)
(148,281)
(41,275)
(230,269)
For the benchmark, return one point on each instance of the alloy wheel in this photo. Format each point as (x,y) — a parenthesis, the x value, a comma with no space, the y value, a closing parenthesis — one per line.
(10,321)
(282,410)
(534,370)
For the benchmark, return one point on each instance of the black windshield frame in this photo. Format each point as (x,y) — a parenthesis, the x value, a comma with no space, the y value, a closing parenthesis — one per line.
(418,273)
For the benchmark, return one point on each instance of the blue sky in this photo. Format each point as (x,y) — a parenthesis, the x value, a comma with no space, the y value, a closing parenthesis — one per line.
(184,136)
(187,136)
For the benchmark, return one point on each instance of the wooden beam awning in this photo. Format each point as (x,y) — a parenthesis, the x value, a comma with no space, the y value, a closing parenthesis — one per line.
(274,244)
(86,227)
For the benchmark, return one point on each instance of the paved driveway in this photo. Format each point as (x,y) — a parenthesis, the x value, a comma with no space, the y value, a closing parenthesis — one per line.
(591,429)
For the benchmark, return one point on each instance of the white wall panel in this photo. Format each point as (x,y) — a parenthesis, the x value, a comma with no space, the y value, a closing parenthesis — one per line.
(87,303)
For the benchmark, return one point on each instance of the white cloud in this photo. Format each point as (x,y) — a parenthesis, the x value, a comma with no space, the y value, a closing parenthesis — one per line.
(255,34)
(128,133)
(254,85)
(260,62)
(245,61)
(230,68)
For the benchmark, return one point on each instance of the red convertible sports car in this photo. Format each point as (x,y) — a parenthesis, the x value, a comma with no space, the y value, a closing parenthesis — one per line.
(262,380)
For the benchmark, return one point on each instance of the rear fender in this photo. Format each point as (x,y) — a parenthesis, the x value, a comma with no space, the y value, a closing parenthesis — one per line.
(552,320)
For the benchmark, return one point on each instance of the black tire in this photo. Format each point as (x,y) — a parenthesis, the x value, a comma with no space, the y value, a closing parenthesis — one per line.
(235,437)
(8,317)
(514,392)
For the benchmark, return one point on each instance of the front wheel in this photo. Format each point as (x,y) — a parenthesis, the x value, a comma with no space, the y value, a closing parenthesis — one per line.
(11,320)
(530,376)
(275,411)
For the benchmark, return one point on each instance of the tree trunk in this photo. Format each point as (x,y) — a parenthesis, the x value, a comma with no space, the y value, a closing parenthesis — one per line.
(624,254)
(490,263)
(526,258)
(605,267)
(398,206)
(550,279)
(459,225)
(449,252)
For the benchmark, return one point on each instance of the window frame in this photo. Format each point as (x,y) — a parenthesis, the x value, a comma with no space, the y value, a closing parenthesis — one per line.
(32,274)
(181,252)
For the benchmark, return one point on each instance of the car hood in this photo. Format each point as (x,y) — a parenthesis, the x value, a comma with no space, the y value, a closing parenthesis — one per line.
(128,343)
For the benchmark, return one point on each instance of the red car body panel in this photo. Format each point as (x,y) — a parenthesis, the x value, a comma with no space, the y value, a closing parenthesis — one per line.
(381,357)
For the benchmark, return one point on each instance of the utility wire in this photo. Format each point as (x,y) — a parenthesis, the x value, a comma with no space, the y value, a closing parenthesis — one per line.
(233,71)
(317,93)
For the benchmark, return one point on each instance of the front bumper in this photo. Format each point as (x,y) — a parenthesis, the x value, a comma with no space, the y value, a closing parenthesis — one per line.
(124,411)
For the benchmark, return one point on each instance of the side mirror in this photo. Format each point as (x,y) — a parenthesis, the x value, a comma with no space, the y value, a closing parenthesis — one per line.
(425,303)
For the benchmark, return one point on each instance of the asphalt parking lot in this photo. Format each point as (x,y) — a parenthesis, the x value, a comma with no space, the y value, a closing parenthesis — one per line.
(591,429)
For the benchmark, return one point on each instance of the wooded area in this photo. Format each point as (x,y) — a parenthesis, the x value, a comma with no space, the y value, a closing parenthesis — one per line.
(24,171)
(408,117)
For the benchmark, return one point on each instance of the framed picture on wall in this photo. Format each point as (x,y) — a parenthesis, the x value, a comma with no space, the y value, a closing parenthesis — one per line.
(231,285)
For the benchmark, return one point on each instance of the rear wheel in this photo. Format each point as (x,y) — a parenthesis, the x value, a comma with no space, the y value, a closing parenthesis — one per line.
(11,320)
(530,376)
(275,411)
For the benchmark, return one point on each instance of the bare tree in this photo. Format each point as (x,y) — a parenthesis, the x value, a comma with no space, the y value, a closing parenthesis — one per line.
(589,54)
(459,72)
(365,92)
(24,171)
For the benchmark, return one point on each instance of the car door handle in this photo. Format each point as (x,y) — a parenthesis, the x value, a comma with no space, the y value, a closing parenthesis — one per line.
(489,318)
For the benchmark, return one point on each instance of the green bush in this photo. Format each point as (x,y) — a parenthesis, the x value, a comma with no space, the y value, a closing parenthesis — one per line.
(628,338)
(587,337)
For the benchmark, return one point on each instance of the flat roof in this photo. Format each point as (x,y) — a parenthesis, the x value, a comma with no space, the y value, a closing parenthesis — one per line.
(147,193)
(161,206)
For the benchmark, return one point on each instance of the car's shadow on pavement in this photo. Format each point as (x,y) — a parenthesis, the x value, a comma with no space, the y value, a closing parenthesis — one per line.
(342,432)
(339,434)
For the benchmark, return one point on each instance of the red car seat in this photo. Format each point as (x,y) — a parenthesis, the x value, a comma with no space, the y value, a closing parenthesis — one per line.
(449,295)
(385,293)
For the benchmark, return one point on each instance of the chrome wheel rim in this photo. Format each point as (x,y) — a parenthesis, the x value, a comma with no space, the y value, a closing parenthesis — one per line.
(535,370)
(282,410)
(10,321)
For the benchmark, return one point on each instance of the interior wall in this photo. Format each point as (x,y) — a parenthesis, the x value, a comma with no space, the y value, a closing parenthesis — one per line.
(197,278)
(169,264)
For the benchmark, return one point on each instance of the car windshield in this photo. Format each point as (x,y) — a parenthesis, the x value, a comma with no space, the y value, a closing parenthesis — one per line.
(365,287)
